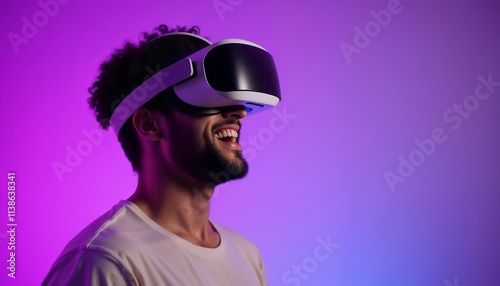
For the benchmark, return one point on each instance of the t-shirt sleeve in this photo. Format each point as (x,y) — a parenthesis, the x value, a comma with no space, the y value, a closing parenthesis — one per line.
(88,268)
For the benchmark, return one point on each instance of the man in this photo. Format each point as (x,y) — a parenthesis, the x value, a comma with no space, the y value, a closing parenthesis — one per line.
(162,234)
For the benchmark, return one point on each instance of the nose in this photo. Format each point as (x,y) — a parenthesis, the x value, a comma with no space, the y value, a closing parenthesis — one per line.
(237,112)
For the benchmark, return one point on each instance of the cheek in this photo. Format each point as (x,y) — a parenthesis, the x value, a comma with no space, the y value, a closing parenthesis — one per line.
(208,136)
(188,139)
(188,132)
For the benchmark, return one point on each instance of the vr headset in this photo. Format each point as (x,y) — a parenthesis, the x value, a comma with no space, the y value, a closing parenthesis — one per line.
(231,72)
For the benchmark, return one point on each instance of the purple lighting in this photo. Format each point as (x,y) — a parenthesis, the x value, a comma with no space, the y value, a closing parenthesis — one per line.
(380,166)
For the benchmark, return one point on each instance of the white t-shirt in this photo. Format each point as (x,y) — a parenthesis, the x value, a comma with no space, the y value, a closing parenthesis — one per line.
(125,247)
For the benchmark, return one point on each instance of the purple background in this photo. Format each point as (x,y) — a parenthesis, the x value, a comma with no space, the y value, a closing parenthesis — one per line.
(318,174)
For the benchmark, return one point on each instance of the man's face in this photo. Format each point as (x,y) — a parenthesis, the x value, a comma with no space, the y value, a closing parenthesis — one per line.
(206,147)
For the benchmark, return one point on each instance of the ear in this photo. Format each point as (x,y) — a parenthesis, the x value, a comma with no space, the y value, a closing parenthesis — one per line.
(146,125)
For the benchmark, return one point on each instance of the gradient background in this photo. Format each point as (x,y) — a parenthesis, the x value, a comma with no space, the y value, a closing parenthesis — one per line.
(320,175)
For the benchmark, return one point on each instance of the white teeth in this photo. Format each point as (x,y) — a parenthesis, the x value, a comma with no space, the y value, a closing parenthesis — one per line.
(226,133)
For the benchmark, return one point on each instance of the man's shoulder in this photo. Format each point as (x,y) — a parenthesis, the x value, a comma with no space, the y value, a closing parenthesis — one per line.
(111,232)
(98,250)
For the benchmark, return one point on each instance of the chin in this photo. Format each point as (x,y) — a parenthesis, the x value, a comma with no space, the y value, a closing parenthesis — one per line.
(217,165)
(236,168)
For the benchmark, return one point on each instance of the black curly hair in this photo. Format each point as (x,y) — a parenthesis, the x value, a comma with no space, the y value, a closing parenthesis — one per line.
(127,68)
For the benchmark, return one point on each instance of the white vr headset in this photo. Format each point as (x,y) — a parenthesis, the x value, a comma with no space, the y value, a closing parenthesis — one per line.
(231,72)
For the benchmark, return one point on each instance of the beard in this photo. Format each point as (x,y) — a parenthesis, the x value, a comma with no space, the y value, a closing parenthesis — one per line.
(208,164)
(220,168)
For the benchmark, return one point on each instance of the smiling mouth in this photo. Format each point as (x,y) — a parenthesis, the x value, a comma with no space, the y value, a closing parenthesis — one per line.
(227,135)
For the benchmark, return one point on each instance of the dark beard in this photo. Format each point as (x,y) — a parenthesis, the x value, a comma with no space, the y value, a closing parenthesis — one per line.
(221,169)
(208,165)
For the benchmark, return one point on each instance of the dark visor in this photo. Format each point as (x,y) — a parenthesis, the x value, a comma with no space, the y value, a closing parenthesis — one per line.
(240,67)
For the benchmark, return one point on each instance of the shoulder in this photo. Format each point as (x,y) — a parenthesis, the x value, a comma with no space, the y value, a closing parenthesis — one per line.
(106,232)
(101,250)
(88,267)
(115,234)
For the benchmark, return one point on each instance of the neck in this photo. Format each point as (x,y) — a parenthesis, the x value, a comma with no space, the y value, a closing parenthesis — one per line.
(177,206)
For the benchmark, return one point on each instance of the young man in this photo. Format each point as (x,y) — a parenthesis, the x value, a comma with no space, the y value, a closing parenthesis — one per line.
(162,234)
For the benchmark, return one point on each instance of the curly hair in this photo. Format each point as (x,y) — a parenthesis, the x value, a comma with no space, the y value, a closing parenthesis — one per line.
(127,68)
